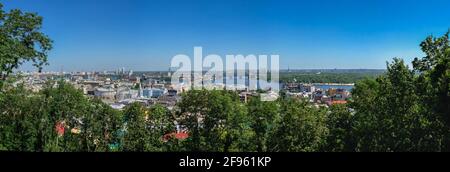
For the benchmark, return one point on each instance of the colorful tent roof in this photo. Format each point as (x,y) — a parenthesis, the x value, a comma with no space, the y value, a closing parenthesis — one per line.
(176,135)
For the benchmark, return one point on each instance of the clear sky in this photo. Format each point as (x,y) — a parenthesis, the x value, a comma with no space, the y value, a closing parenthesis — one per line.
(146,34)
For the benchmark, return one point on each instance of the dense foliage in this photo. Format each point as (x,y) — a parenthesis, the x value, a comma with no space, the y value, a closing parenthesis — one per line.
(21,41)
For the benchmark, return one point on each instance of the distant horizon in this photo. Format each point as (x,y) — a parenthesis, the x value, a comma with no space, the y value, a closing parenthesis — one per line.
(139,71)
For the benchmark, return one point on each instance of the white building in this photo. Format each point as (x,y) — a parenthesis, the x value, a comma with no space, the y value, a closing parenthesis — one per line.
(105,93)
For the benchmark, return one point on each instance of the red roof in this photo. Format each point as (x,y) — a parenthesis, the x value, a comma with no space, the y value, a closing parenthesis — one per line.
(177,135)
(182,135)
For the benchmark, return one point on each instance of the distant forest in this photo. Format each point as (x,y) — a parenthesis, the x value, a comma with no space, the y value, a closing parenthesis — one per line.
(329,76)
(305,75)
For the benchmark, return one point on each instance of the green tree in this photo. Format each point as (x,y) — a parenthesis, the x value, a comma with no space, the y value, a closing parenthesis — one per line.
(191,110)
(17,131)
(25,124)
(100,126)
(21,41)
(136,135)
(340,123)
(160,122)
(264,117)
(216,120)
(434,74)
(302,128)
(24,120)
(388,114)
(433,83)
(68,105)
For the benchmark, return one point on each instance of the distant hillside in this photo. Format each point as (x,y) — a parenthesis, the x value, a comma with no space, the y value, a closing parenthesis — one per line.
(373,71)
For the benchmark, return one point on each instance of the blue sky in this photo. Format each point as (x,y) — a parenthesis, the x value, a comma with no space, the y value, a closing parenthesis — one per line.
(146,34)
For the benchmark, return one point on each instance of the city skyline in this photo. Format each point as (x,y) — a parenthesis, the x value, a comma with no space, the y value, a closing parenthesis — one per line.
(145,35)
